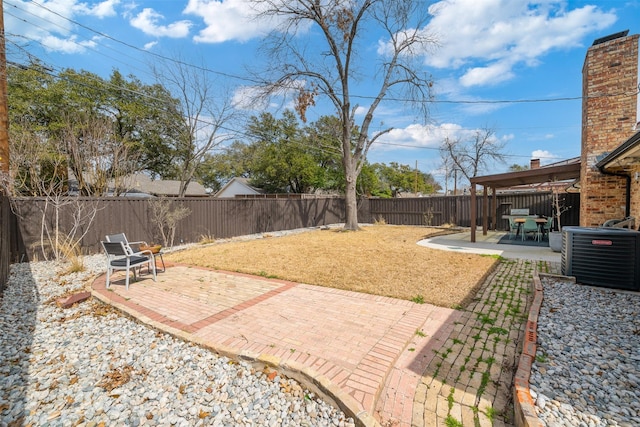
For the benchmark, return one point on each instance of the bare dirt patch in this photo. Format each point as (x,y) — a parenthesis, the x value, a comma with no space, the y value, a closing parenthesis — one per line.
(381,259)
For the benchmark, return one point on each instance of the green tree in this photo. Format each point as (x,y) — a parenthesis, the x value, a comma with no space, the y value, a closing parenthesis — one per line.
(143,118)
(281,162)
(398,178)
(104,130)
(518,168)
(34,160)
(280,156)
(322,141)
(230,162)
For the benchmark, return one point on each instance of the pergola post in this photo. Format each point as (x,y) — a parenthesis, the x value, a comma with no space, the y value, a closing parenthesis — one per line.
(494,196)
(485,210)
(474,210)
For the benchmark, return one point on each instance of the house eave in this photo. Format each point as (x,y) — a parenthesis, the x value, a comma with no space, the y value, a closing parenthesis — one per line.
(626,155)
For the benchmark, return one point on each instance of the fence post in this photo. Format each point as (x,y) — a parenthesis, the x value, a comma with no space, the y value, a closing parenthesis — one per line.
(5,241)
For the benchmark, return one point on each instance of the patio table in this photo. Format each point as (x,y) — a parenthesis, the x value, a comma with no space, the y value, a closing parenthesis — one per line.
(541,223)
(520,222)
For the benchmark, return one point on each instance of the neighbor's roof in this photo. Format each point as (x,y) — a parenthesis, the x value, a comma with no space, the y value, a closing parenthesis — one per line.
(561,171)
(160,187)
(141,185)
(234,182)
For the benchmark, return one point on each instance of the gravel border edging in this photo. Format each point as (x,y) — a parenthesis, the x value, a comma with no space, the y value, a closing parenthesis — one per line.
(524,407)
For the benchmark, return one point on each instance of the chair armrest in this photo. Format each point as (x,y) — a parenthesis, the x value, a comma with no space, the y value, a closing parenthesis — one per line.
(146,253)
(135,246)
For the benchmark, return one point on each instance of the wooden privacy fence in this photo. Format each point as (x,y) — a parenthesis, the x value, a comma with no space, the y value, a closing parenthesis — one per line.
(5,241)
(218,218)
(456,210)
(224,218)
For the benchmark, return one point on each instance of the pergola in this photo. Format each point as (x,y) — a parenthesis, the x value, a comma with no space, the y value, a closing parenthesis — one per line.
(564,171)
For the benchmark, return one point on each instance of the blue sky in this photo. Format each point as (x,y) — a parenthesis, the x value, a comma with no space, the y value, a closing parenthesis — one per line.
(489,51)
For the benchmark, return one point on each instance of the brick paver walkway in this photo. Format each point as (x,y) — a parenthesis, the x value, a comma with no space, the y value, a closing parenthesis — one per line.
(347,342)
(469,382)
(383,360)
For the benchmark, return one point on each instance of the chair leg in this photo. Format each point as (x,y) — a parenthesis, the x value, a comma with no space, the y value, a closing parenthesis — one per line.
(152,260)
(164,268)
(126,282)
(108,276)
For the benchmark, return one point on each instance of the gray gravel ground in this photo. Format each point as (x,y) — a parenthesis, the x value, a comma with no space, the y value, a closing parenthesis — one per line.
(89,365)
(587,368)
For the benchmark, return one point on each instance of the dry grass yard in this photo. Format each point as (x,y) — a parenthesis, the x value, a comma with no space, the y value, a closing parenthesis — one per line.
(380,259)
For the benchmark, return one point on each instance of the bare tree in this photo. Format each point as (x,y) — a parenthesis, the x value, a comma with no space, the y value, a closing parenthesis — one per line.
(97,157)
(333,69)
(472,154)
(166,215)
(39,167)
(64,220)
(202,124)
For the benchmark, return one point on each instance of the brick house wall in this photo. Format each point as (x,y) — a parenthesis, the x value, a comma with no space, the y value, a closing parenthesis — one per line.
(609,116)
(635,194)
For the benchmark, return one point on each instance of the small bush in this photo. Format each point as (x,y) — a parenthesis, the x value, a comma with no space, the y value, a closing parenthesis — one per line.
(70,251)
(206,239)
(379,220)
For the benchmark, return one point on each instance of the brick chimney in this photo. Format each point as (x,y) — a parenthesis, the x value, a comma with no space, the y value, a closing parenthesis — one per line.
(609,114)
(535,164)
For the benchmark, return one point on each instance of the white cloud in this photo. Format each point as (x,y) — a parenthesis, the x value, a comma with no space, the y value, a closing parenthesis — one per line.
(486,39)
(69,45)
(150,45)
(101,10)
(258,99)
(47,22)
(418,136)
(148,22)
(248,98)
(227,20)
(545,156)
(489,75)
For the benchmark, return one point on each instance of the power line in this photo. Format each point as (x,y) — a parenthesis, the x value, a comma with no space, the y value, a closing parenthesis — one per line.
(202,68)
(157,55)
(253,81)
(107,84)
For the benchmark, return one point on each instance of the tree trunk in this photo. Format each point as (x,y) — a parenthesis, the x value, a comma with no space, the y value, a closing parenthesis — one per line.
(351,203)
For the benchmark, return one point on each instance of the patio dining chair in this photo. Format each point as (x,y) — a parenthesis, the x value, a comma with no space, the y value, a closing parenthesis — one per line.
(546,229)
(120,257)
(530,226)
(513,228)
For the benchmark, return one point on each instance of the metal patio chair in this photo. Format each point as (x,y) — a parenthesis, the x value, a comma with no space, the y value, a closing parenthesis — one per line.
(121,257)
(136,247)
